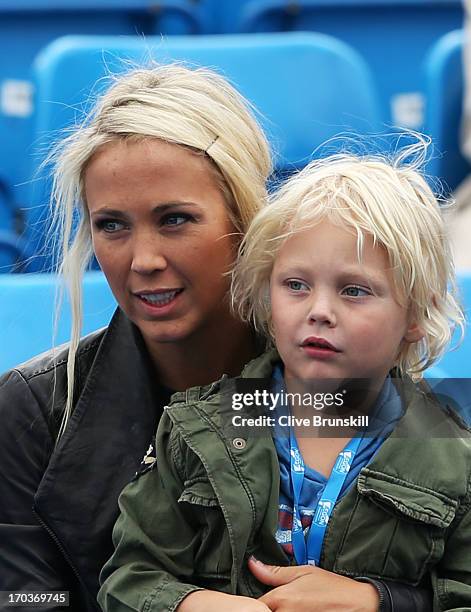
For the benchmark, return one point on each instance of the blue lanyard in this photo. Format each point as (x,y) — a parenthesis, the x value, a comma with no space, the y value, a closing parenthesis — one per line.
(309,552)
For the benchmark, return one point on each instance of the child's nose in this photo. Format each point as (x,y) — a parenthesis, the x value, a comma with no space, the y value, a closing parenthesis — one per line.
(322,310)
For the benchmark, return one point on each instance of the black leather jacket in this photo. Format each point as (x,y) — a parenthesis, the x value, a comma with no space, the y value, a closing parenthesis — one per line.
(58,504)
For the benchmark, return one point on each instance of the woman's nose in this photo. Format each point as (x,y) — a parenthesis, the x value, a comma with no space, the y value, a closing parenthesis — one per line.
(322,309)
(148,255)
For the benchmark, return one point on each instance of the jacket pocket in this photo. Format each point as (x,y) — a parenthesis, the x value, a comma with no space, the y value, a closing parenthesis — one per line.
(213,555)
(396,530)
(199,492)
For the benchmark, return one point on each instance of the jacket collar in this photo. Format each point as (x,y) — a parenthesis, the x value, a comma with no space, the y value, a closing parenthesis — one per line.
(109,431)
(259,367)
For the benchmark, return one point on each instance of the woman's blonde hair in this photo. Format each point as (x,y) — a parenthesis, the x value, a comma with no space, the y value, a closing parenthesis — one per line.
(372,195)
(190,107)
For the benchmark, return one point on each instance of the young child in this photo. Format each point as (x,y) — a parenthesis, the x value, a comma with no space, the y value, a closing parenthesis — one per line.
(348,270)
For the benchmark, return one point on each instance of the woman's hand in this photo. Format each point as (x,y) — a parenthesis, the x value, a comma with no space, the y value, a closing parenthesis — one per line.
(306,588)
(212,601)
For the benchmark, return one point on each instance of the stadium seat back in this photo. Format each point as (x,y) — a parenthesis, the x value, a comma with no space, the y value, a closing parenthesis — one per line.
(393,37)
(308,87)
(457,363)
(445,90)
(26,26)
(27,304)
(450,378)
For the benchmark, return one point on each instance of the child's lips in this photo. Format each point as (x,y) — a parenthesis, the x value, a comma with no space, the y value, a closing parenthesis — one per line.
(319,343)
(319,348)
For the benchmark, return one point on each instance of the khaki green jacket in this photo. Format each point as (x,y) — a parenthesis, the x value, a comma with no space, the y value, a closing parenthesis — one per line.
(210,501)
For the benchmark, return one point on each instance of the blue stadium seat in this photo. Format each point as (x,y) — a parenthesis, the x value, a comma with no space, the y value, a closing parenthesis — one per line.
(308,87)
(451,376)
(27,313)
(457,363)
(393,36)
(445,88)
(15,250)
(26,26)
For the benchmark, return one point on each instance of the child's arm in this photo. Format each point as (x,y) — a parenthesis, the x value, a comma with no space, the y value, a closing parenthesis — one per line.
(212,601)
(153,540)
(156,541)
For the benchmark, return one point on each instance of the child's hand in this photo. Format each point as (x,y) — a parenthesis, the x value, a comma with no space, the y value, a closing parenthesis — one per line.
(305,588)
(212,601)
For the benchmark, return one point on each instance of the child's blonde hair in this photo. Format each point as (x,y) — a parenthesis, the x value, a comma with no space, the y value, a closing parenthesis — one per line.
(387,199)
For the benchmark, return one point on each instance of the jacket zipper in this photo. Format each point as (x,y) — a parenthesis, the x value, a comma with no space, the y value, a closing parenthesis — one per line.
(64,553)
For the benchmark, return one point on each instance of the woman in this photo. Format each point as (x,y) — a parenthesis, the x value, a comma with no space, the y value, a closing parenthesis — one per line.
(166,175)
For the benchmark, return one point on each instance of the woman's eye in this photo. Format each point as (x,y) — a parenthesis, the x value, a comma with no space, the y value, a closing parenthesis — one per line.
(354,291)
(296,285)
(175,219)
(109,226)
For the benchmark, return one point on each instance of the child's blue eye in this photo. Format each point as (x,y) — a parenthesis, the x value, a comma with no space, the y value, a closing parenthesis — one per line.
(355,291)
(296,285)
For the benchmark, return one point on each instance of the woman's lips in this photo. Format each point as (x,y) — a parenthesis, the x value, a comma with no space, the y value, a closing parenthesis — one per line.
(158,302)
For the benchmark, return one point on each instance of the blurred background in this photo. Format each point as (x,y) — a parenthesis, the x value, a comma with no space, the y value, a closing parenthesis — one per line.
(314,69)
